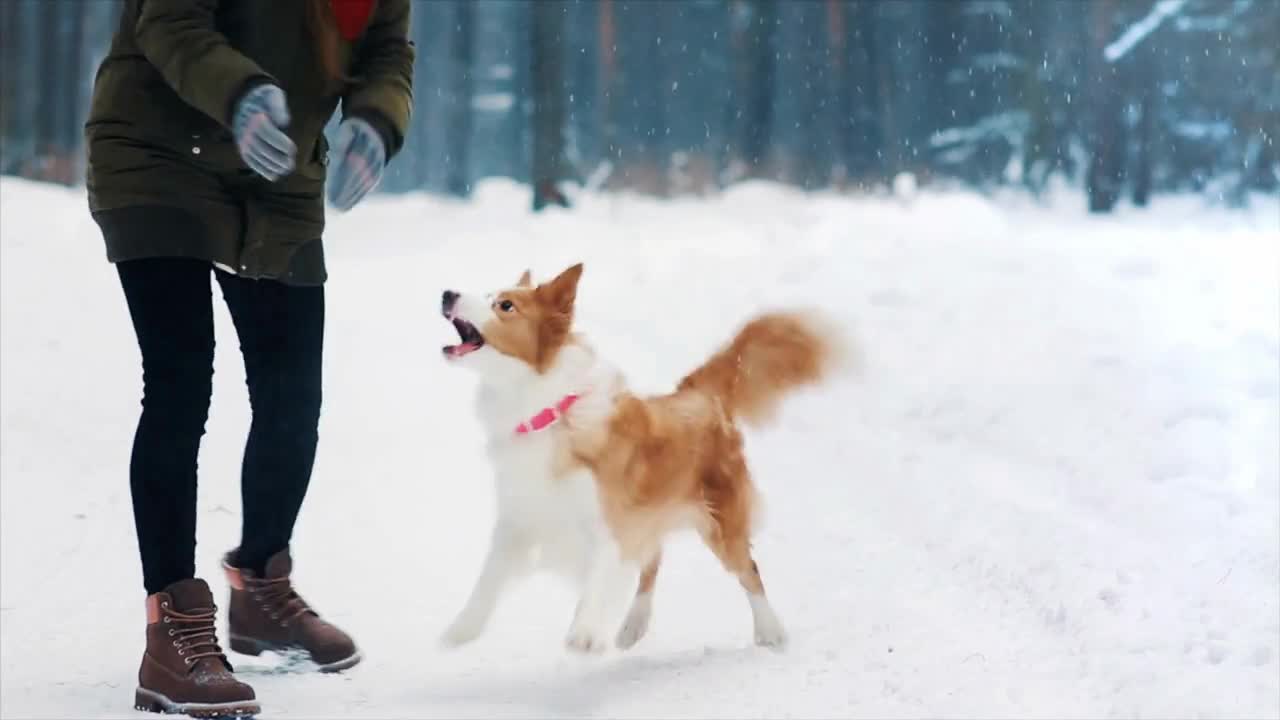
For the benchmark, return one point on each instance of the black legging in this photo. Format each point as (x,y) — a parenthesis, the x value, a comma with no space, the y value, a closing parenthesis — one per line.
(281,330)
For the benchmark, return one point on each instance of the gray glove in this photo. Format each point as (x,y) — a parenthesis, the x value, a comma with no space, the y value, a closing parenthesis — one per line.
(258,126)
(362,155)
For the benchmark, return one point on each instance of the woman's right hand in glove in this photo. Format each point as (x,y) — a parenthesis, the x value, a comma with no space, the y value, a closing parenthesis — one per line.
(258,126)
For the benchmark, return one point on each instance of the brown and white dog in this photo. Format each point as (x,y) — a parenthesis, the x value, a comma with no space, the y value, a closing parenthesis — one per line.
(590,477)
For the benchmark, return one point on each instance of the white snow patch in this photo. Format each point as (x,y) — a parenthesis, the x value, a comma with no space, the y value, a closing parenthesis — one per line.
(1137,32)
(1053,491)
(493,102)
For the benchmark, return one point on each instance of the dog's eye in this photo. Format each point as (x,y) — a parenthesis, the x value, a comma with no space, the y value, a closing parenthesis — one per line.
(506,306)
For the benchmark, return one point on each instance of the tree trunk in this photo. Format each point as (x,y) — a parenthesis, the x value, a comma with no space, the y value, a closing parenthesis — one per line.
(608,108)
(1143,86)
(697,79)
(638,105)
(841,87)
(458,180)
(418,176)
(864,155)
(11,39)
(1039,152)
(51,70)
(520,127)
(546,44)
(72,106)
(754,49)
(582,71)
(815,97)
(1106,165)
(891,133)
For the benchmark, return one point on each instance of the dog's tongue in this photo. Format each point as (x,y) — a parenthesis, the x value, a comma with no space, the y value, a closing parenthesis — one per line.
(460,350)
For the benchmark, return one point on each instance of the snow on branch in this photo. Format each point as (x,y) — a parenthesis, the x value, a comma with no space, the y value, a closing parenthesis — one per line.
(1163,10)
(1214,23)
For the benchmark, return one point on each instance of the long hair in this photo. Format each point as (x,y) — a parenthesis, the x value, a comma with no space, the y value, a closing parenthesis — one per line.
(324,33)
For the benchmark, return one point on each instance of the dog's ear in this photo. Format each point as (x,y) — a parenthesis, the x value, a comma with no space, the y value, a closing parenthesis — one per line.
(561,292)
(525,281)
(557,298)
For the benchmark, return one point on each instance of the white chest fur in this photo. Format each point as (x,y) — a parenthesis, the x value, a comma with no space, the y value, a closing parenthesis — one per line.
(549,515)
(553,511)
(548,503)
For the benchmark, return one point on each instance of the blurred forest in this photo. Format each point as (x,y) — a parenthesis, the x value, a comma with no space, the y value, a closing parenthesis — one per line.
(673,97)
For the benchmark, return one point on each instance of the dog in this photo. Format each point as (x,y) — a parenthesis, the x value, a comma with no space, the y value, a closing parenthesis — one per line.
(590,477)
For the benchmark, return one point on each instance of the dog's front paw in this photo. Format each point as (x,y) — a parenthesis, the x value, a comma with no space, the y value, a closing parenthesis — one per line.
(771,635)
(461,632)
(634,627)
(586,640)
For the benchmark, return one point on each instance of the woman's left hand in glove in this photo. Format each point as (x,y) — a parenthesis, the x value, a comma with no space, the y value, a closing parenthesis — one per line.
(362,156)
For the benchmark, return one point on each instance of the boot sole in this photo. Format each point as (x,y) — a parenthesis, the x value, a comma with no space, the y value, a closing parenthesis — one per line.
(254,648)
(152,701)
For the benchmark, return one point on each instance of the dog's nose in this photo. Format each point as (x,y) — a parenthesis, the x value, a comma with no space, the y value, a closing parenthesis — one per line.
(448,300)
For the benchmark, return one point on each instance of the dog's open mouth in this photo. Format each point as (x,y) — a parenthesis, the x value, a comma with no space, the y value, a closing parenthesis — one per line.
(471,339)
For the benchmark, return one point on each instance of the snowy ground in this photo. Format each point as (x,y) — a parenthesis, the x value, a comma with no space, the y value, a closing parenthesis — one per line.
(1054,492)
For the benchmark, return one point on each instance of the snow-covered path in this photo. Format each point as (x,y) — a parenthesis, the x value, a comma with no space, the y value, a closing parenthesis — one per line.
(1053,492)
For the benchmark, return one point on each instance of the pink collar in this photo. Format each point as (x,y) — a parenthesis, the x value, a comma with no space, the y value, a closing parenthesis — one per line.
(546,416)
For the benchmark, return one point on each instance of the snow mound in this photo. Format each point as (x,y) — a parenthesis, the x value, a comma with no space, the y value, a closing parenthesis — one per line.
(1052,492)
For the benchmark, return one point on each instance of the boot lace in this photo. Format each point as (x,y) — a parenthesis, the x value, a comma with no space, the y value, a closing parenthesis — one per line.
(278,598)
(195,636)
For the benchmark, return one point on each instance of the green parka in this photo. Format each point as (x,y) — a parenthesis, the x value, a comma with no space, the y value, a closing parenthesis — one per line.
(164,175)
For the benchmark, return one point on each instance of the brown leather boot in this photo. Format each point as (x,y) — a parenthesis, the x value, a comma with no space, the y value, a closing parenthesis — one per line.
(183,669)
(267,614)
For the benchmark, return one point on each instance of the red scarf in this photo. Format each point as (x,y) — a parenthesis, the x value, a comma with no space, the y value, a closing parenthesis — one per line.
(352,16)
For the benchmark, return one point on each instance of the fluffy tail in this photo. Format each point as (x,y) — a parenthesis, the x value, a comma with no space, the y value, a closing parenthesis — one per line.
(770,356)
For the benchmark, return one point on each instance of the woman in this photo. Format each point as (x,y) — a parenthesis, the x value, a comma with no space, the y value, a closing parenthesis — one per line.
(207,156)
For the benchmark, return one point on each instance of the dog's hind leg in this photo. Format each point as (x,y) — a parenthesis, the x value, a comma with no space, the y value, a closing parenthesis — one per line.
(508,558)
(727,537)
(768,628)
(637,622)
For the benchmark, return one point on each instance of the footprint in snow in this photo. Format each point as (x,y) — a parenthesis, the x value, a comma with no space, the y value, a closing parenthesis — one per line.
(889,298)
(1135,268)
(1215,654)
(1261,656)
(1210,414)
